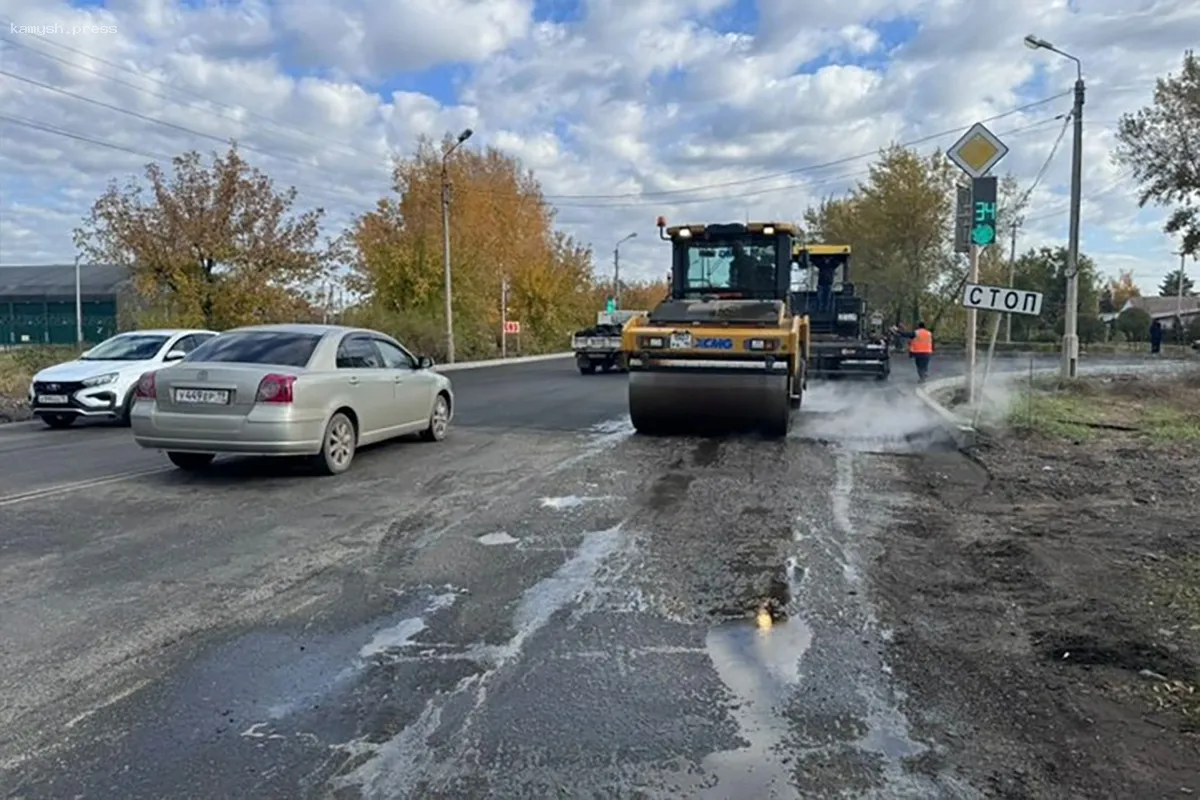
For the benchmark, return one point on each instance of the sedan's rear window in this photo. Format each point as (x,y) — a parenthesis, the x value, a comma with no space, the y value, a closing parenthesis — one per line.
(284,349)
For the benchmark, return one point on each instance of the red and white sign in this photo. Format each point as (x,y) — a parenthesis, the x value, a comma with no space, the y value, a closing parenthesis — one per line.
(512,327)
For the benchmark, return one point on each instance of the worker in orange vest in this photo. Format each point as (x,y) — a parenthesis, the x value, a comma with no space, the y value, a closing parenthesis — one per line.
(920,348)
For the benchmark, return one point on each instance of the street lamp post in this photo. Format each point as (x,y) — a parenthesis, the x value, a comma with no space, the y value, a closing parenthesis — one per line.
(617,269)
(78,305)
(462,137)
(1070,362)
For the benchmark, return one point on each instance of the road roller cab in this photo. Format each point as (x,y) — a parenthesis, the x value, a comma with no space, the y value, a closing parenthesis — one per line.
(724,350)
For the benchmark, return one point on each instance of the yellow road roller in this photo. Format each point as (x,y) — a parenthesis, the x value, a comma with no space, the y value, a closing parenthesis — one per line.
(723,351)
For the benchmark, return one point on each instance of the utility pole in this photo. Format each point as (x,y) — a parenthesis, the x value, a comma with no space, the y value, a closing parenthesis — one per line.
(1012,277)
(1070,360)
(462,137)
(1179,299)
(1071,329)
(617,270)
(504,316)
(78,304)
(972,327)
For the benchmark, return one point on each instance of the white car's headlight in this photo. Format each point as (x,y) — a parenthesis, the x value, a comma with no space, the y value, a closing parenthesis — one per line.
(100,380)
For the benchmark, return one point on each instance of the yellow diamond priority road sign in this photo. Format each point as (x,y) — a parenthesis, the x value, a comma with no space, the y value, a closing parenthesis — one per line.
(977,151)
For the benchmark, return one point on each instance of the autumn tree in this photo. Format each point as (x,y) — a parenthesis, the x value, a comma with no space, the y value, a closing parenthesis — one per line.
(1161,145)
(1170,285)
(638,295)
(898,222)
(1118,291)
(501,229)
(215,246)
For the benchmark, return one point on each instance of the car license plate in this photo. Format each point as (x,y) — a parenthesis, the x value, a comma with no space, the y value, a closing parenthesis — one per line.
(52,399)
(848,351)
(681,341)
(210,397)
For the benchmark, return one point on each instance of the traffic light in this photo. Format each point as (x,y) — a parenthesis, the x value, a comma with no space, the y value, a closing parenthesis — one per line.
(983,223)
(612,305)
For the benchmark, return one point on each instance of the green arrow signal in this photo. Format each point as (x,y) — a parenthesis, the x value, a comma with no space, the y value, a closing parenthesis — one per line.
(983,235)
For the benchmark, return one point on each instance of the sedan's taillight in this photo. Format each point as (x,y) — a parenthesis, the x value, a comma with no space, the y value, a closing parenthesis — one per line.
(146,389)
(275,389)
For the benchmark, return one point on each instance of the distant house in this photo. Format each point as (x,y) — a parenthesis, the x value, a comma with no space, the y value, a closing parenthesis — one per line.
(37,303)
(1163,309)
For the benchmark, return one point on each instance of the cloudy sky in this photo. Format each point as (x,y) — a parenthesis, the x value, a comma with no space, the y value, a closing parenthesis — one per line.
(699,110)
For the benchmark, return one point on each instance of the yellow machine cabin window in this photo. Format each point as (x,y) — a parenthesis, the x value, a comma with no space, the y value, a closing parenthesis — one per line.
(741,267)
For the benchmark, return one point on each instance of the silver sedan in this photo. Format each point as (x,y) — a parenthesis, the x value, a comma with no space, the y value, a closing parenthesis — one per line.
(290,390)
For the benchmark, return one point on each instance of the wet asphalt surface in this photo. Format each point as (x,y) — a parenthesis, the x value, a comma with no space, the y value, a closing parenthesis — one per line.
(543,605)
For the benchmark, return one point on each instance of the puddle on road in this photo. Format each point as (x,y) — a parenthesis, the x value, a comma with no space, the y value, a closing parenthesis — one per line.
(497,538)
(760,664)
(568,502)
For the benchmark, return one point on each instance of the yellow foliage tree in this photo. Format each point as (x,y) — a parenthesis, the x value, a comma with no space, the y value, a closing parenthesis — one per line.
(1123,288)
(501,229)
(215,246)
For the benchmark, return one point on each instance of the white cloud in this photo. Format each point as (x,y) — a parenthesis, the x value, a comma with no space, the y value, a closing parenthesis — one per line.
(622,111)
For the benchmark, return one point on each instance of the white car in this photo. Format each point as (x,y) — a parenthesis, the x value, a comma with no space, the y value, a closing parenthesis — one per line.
(100,383)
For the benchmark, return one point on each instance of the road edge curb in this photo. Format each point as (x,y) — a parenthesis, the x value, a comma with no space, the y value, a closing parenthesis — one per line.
(500,362)
(965,436)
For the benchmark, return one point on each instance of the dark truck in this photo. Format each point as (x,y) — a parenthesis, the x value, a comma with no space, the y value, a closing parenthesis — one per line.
(844,340)
(600,345)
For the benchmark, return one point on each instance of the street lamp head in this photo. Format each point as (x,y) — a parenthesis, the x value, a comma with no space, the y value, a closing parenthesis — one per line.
(633,235)
(1035,43)
(466,134)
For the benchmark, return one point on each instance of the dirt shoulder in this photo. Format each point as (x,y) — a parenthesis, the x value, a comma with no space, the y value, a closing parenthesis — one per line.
(1045,594)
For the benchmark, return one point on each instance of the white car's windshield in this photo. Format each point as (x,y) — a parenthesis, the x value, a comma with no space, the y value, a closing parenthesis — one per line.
(126,347)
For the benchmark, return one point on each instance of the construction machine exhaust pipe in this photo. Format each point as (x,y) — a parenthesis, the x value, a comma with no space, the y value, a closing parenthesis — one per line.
(694,403)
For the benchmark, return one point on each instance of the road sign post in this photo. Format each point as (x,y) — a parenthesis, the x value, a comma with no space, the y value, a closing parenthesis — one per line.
(504,317)
(999,300)
(975,153)
(963,214)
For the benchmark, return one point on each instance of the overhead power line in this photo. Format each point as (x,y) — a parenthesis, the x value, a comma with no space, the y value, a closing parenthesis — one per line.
(823,181)
(1041,173)
(166,85)
(626,195)
(562,200)
(146,118)
(815,167)
(318,192)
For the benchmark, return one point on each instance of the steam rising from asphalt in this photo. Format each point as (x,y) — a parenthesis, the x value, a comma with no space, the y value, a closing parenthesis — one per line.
(1006,392)
(863,415)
